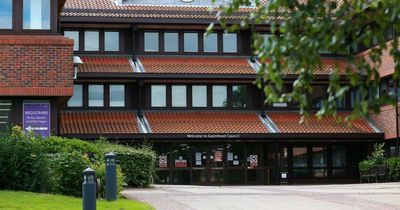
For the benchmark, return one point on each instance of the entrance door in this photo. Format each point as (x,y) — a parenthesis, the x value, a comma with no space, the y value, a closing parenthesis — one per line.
(208,164)
(216,167)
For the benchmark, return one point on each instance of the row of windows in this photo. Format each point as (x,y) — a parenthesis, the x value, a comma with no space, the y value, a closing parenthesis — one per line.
(179,96)
(96,96)
(92,40)
(35,14)
(190,42)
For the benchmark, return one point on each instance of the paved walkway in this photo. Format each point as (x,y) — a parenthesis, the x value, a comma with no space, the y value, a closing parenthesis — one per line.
(382,196)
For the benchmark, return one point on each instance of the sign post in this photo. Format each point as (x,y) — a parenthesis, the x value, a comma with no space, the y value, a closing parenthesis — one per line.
(36,118)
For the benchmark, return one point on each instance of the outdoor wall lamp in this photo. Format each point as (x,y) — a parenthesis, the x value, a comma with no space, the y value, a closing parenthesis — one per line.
(77,63)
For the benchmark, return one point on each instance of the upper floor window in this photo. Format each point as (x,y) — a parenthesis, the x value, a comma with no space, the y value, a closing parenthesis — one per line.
(111,41)
(211,43)
(199,96)
(158,96)
(219,96)
(96,95)
(91,41)
(151,42)
(76,99)
(36,14)
(178,95)
(230,43)
(117,95)
(239,96)
(171,42)
(190,42)
(6,14)
(75,36)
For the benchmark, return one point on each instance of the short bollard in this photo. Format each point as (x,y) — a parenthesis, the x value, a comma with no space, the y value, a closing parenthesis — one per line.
(111,177)
(89,189)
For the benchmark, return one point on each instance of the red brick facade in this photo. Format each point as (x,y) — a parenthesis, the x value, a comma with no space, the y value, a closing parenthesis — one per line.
(386,121)
(36,65)
(387,67)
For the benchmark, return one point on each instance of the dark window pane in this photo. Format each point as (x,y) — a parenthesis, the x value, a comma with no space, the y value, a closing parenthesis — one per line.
(239,95)
(75,36)
(211,43)
(320,173)
(36,14)
(151,41)
(111,41)
(190,42)
(171,42)
(339,156)
(91,41)
(319,157)
(76,99)
(162,177)
(181,156)
(6,14)
(299,156)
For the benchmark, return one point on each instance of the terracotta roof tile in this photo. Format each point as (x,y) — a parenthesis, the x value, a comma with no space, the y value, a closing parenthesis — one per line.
(96,122)
(289,122)
(205,122)
(196,65)
(105,64)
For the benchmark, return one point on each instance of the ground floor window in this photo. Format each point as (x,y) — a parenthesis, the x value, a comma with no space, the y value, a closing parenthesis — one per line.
(5,114)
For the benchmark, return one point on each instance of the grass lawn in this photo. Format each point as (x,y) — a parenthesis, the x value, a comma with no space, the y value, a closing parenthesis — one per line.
(12,200)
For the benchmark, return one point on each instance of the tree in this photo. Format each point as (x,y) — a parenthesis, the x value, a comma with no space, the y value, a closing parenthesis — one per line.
(301,29)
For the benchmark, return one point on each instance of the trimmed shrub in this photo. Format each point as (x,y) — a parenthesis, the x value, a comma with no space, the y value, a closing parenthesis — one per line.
(24,165)
(393,166)
(101,174)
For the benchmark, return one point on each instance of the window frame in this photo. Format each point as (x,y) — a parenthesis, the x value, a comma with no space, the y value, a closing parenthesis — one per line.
(79,38)
(123,94)
(104,41)
(158,42)
(103,96)
(84,40)
(166,95)
(81,98)
(12,18)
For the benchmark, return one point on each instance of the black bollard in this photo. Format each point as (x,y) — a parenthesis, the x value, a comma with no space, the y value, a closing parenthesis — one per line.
(111,177)
(89,189)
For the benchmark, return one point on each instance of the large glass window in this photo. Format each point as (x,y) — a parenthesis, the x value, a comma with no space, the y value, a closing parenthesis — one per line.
(111,41)
(190,42)
(151,42)
(211,43)
(300,157)
(338,156)
(178,95)
(6,14)
(230,43)
(239,95)
(171,42)
(76,99)
(96,95)
(117,95)
(75,36)
(219,96)
(91,41)
(158,95)
(199,96)
(319,162)
(36,14)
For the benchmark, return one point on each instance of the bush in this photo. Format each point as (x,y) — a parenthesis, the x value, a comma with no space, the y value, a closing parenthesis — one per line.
(365,165)
(393,166)
(24,165)
(101,174)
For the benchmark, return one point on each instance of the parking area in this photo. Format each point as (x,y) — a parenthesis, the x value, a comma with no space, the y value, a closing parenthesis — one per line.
(382,196)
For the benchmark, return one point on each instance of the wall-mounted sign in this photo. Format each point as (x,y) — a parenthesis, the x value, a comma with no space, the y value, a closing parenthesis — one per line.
(218,156)
(253,160)
(180,163)
(213,136)
(162,161)
(36,118)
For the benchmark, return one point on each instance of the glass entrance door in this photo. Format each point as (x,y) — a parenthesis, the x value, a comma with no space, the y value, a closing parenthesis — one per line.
(216,169)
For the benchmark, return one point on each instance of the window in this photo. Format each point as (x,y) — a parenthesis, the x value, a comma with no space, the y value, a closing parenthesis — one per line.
(5,114)
(219,96)
(36,14)
(91,41)
(96,95)
(230,43)
(199,96)
(338,156)
(6,14)
(117,95)
(300,162)
(75,36)
(158,95)
(190,42)
(171,42)
(319,162)
(319,93)
(178,95)
(151,41)
(239,95)
(111,41)
(211,43)
(76,99)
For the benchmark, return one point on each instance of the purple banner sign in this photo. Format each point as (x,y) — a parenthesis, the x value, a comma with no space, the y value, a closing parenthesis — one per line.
(36,118)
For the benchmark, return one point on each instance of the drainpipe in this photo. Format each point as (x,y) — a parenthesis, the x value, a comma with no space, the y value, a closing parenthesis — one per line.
(396,86)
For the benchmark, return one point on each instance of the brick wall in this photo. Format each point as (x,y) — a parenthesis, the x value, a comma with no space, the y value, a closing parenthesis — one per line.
(36,65)
(387,67)
(386,121)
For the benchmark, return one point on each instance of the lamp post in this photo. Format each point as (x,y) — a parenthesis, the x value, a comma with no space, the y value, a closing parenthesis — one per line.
(89,189)
(111,177)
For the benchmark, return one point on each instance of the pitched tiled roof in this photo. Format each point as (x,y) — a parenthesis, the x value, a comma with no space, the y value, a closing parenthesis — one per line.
(108,9)
(205,122)
(289,122)
(196,65)
(103,64)
(97,122)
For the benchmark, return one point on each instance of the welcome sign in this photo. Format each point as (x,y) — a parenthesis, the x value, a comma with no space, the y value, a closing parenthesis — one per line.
(36,118)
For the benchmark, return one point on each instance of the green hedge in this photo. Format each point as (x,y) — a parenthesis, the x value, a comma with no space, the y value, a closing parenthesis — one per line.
(55,164)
